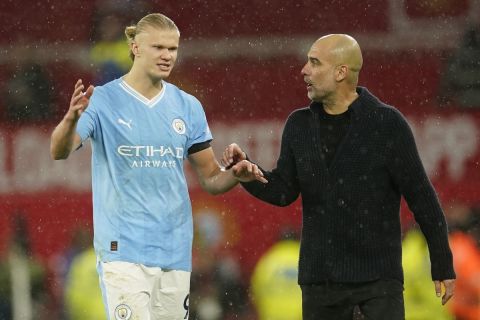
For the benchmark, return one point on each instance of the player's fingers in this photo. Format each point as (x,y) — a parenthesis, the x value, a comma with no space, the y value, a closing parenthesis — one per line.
(243,155)
(223,162)
(77,110)
(238,152)
(438,288)
(227,156)
(232,151)
(78,86)
(79,82)
(235,148)
(79,94)
(77,91)
(89,91)
(227,164)
(76,99)
(78,106)
(224,159)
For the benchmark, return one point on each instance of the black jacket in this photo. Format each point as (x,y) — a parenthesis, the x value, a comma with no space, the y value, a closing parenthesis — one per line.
(351,222)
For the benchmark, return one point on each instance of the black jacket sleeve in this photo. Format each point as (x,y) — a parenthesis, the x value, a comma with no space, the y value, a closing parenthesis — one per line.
(410,177)
(282,188)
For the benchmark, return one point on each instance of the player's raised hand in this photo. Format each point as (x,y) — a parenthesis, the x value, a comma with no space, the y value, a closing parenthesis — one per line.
(232,154)
(79,101)
(245,171)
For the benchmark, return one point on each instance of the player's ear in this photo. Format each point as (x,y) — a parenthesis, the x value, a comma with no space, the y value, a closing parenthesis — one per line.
(134,48)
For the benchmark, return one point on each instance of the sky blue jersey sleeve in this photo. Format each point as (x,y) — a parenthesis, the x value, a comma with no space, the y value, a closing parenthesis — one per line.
(87,124)
(200,131)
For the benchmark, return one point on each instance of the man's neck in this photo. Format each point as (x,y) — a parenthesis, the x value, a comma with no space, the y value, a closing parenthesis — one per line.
(143,84)
(339,103)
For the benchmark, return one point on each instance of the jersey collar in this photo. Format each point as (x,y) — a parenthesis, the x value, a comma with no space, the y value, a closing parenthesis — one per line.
(148,102)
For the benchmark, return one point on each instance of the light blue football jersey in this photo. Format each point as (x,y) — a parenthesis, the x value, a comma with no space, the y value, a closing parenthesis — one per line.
(141,207)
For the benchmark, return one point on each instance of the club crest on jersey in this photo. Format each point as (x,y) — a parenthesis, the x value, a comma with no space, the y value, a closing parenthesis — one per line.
(123,312)
(179,126)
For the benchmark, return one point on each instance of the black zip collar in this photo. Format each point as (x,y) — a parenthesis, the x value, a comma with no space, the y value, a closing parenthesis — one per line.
(360,105)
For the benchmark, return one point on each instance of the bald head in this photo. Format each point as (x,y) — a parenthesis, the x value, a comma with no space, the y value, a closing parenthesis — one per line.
(342,50)
(332,68)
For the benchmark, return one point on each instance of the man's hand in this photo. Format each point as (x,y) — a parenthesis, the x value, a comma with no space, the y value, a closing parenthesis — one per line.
(79,101)
(245,171)
(232,155)
(449,286)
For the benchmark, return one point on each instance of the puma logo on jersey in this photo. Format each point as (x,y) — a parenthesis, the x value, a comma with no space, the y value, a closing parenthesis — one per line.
(125,123)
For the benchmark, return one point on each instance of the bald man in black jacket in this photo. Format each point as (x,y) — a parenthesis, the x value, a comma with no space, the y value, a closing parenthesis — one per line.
(352,157)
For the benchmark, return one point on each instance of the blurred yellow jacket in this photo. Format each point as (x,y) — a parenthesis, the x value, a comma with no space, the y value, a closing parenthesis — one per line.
(276,292)
(421,302)
(83,297)
(112,51)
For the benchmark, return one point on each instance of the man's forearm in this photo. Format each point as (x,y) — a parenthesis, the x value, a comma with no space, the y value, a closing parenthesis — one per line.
(62,139)
(277,192)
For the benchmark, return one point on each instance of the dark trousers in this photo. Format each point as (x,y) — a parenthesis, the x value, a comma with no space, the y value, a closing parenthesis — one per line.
(377,300)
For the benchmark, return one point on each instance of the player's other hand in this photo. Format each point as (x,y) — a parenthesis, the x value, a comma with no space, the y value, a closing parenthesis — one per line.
(245,171)
(232,155)
(79,101)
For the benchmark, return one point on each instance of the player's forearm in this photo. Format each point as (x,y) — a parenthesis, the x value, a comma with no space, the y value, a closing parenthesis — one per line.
(220,182)
(62,139)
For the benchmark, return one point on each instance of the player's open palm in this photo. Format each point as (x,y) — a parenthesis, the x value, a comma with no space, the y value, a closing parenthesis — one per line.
(79,101)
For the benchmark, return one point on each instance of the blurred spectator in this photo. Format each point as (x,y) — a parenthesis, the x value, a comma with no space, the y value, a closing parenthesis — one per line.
(465,243)
(233,292)
(420,304)
(83,298)
(204,293)
(22,278)
(60,265)
(110,52)
(27,93)
(461,82)
(217,289)
(274,283)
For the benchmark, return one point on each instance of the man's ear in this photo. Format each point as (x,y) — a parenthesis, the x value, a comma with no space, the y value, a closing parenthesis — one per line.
(341,72)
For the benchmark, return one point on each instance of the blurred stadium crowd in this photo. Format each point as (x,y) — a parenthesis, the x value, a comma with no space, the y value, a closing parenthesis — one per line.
(242,60)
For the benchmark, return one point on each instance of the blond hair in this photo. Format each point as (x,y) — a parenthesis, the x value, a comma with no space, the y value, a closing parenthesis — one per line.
(155,20)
